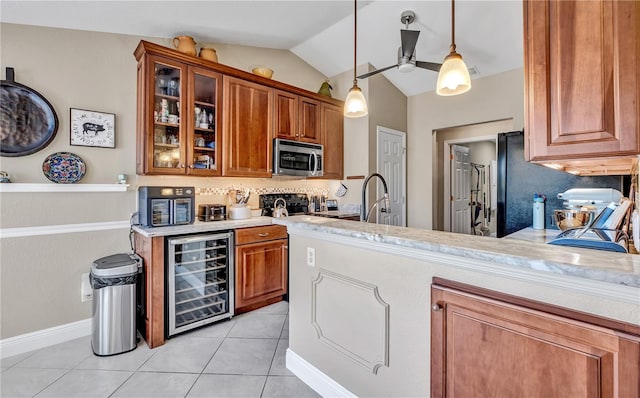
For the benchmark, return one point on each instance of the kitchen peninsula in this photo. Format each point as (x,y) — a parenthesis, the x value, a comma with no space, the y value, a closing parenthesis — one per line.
(367,317)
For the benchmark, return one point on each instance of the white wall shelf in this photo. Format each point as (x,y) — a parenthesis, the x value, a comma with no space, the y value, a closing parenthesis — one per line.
(20,187)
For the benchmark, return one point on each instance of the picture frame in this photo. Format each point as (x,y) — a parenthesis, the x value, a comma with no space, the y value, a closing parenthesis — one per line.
(92,128)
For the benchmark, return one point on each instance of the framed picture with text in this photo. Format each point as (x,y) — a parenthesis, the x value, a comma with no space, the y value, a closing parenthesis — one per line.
(91,128)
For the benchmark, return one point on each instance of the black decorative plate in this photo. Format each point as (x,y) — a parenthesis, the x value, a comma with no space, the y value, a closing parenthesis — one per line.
(28,122)
(64,167)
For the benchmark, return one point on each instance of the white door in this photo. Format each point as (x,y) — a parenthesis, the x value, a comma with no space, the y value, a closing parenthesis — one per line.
(392,166)
(460,190)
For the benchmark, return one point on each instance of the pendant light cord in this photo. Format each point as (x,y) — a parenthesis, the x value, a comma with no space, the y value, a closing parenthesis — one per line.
(355,38)
(453,26)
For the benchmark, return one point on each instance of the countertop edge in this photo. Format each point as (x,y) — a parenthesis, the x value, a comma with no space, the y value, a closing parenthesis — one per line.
(620,269)
(200,227)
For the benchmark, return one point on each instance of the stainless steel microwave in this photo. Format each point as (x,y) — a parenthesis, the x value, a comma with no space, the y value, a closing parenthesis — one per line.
(293,158)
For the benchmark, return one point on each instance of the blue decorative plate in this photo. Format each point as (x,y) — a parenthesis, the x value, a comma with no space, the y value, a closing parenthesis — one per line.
(64,168)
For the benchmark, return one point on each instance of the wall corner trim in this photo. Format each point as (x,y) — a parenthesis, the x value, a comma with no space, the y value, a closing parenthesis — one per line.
(44,338)
(314,378)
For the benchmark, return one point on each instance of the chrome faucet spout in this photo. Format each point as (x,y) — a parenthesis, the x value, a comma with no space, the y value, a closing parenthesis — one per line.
(385,208)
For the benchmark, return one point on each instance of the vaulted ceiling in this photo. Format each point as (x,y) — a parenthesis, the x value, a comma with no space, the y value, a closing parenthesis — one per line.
(488,33)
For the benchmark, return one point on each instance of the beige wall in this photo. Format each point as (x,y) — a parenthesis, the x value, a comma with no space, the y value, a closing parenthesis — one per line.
(356,139)
(491,98)
(40,275)
(387,107)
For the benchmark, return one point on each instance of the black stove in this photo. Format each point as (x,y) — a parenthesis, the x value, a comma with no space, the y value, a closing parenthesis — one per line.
(297,203)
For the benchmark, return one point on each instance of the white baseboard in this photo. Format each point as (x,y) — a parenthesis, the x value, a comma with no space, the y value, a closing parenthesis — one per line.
(44,338)
(320,382)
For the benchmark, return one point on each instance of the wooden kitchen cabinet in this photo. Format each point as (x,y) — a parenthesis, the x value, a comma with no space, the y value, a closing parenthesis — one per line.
(582,88)
(178,116)
(261,266)
(247,128)
(225,118)
(151,321)
(332,122)
(482,346)
(297,117)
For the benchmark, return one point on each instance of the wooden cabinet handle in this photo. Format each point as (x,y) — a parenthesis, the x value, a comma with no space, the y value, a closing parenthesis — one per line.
(263,235)
(436,307)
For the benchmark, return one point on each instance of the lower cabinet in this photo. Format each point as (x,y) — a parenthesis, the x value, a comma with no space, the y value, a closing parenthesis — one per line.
(485,347)
(150,320)
(261,266)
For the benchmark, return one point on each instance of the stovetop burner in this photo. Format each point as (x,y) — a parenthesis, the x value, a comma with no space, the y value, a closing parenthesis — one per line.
(297,203)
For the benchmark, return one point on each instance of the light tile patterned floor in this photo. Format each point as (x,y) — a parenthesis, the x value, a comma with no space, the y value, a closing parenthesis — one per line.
(241,357)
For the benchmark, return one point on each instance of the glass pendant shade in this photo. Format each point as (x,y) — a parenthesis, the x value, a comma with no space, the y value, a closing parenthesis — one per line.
(355,105)
(453,78)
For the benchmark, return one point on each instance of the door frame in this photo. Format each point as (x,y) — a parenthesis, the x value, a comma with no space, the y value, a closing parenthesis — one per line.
(446,167)
(403,135)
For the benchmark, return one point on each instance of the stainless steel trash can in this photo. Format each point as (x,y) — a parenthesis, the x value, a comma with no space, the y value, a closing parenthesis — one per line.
(113,279)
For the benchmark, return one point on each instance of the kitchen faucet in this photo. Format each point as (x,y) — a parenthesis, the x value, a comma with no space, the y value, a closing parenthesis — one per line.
(386,205)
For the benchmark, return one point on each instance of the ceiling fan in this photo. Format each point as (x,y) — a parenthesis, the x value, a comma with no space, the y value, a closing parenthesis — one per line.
(407,51)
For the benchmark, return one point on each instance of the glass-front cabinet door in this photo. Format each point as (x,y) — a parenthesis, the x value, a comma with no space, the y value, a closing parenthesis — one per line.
(183,119)
(169,129)
(204,122)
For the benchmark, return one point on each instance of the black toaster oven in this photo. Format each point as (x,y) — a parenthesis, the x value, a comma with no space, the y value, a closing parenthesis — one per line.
(215,212)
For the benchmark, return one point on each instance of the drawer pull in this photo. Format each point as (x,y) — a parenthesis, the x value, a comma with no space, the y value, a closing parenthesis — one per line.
(263,235)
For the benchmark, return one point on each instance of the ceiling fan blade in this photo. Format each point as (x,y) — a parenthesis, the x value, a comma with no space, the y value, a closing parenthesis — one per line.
(428,65)
(409,39)
(364,76)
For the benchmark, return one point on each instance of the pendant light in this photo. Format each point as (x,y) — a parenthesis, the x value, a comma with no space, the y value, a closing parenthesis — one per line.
(355,105)
(453,78)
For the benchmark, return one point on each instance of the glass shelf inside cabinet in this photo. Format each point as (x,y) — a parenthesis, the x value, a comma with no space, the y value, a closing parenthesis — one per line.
(205,122)
(166,117)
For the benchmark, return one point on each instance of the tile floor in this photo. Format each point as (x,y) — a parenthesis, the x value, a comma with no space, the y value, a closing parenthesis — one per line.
(241,357)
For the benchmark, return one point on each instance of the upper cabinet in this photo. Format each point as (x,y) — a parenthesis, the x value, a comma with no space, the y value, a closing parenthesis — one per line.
(201,118)
(247,128)
(178,118)
(297,117)
(582,93)
(332,133)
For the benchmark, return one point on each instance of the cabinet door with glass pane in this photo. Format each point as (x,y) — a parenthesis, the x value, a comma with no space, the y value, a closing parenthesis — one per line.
(203,149)
(166,143)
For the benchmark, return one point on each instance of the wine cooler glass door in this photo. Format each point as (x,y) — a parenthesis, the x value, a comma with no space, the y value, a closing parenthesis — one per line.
(200,281)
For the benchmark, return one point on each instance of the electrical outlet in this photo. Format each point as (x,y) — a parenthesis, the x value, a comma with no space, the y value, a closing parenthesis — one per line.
(311,256)
(86,293)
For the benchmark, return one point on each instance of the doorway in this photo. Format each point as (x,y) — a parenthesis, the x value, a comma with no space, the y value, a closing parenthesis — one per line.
(481,140)
(391,163)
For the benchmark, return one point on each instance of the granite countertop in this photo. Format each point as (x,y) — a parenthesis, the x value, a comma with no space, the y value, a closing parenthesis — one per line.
(617,268)
(201,226)
(334,214)
(535,235)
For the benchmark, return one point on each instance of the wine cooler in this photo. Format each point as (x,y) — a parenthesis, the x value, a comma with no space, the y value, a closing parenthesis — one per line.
(200,280)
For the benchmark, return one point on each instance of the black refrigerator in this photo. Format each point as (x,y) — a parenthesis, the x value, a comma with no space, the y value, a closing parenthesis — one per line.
(518,180)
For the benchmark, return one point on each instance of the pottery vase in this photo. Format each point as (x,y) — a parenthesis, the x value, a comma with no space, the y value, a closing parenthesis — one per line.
(208,54)
(185,44)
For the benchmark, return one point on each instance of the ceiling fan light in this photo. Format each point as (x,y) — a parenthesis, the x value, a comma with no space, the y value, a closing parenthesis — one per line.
(355,105)
(453,78)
